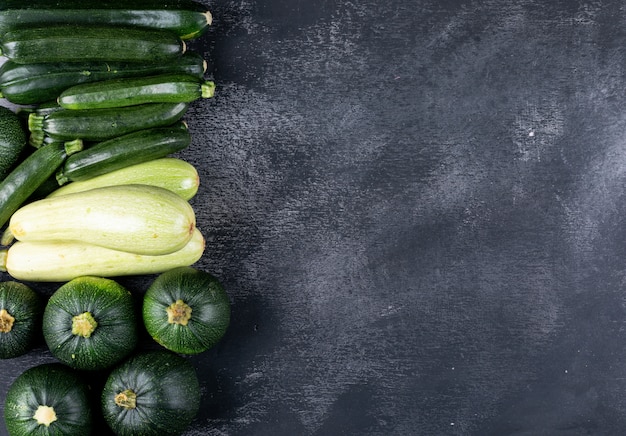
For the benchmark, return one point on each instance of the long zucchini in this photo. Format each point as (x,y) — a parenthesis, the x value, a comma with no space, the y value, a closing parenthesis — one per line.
(162,88)
(124,151)
(140,219)
(102,124)
(79,43)
(37,83)
(30,174)
(61,261)
(188,19)
(171,173)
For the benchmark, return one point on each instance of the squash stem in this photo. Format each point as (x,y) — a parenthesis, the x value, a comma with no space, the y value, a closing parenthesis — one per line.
(6,321)
(84,325)
(126,399)
(74,146)
(179,313)
(7,237)
(4,254)
(208,89)
(45,415)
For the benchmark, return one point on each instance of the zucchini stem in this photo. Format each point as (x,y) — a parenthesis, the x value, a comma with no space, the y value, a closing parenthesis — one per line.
(7,237)
(4,254)
(74,146)
(45,415)
(209,18)
(207,89)
(126,399)
(6,321)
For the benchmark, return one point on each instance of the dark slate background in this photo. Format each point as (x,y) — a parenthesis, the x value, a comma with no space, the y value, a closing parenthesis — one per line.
(417,209)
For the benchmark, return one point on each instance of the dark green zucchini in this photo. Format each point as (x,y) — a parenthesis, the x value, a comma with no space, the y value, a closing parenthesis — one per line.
(12,140)
(162,88)
(24,179)
(48,399)
(188,19)
(102,124)
(123,151)
(78,43)
(41,82)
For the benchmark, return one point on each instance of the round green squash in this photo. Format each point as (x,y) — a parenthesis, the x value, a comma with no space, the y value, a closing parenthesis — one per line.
(90,323)
(186,310)
(21,310)
(154,392)
(12,140)
(48,399)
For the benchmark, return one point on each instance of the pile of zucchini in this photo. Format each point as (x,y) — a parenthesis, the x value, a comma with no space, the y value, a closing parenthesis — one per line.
(89,191)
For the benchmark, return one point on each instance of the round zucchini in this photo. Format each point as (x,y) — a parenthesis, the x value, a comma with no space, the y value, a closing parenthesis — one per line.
(46,400)
(21,309)
(89,323)
(153,393)
(13,140)
(186,310)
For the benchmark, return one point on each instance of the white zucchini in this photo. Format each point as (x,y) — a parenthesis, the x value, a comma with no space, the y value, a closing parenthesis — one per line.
(58,261)
(140,219)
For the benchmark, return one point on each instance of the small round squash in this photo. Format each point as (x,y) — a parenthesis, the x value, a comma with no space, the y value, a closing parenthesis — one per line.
(152,393)
(48,399)
(20,318)
(89,323)
(186,310)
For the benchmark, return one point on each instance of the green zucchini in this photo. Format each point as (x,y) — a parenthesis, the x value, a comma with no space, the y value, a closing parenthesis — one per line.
(37,83)
(162,88)
(123,151)
(186,310)
(12,140)
(187,19)
(48,399)
(33,171)
(89,323)
(153,393)
(170,173)
(21,309)
(58,261)
(140,219)
(102,124)
(79,43)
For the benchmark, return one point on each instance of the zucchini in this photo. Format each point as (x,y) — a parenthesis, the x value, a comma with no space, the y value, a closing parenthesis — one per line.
(58,261)
(186,310)
(37,83)
(188,19)
(170,173)
(123,151)
(31,173)
(12,140)
(21,309)
(79,43)
(102,124)
(153,393)
(48,399)
(162,88)
(140,219)
(89,323)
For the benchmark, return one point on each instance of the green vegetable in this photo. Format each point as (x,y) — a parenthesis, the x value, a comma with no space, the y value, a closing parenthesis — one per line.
(89,323)
(140,219)
(48,400)
(37,83)
(129,91)
(188,19)
(123,151)
(12,140)
(24,179)
(170,173)
(20,318)
(186,310)
(153,393)
(102,124)
(57,261)
(84,42)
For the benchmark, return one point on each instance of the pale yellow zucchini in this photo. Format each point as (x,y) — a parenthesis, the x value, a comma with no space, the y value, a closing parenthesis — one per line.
(58,261)
(170,173)
(140,219)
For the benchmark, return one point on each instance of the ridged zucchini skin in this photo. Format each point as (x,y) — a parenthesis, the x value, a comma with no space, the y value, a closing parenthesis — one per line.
(33,171)
(162,88)
(102,124)
(187,19)
(78,43)
(60,261)
(140,219)
(171,173)
(42,82)
(123,151)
